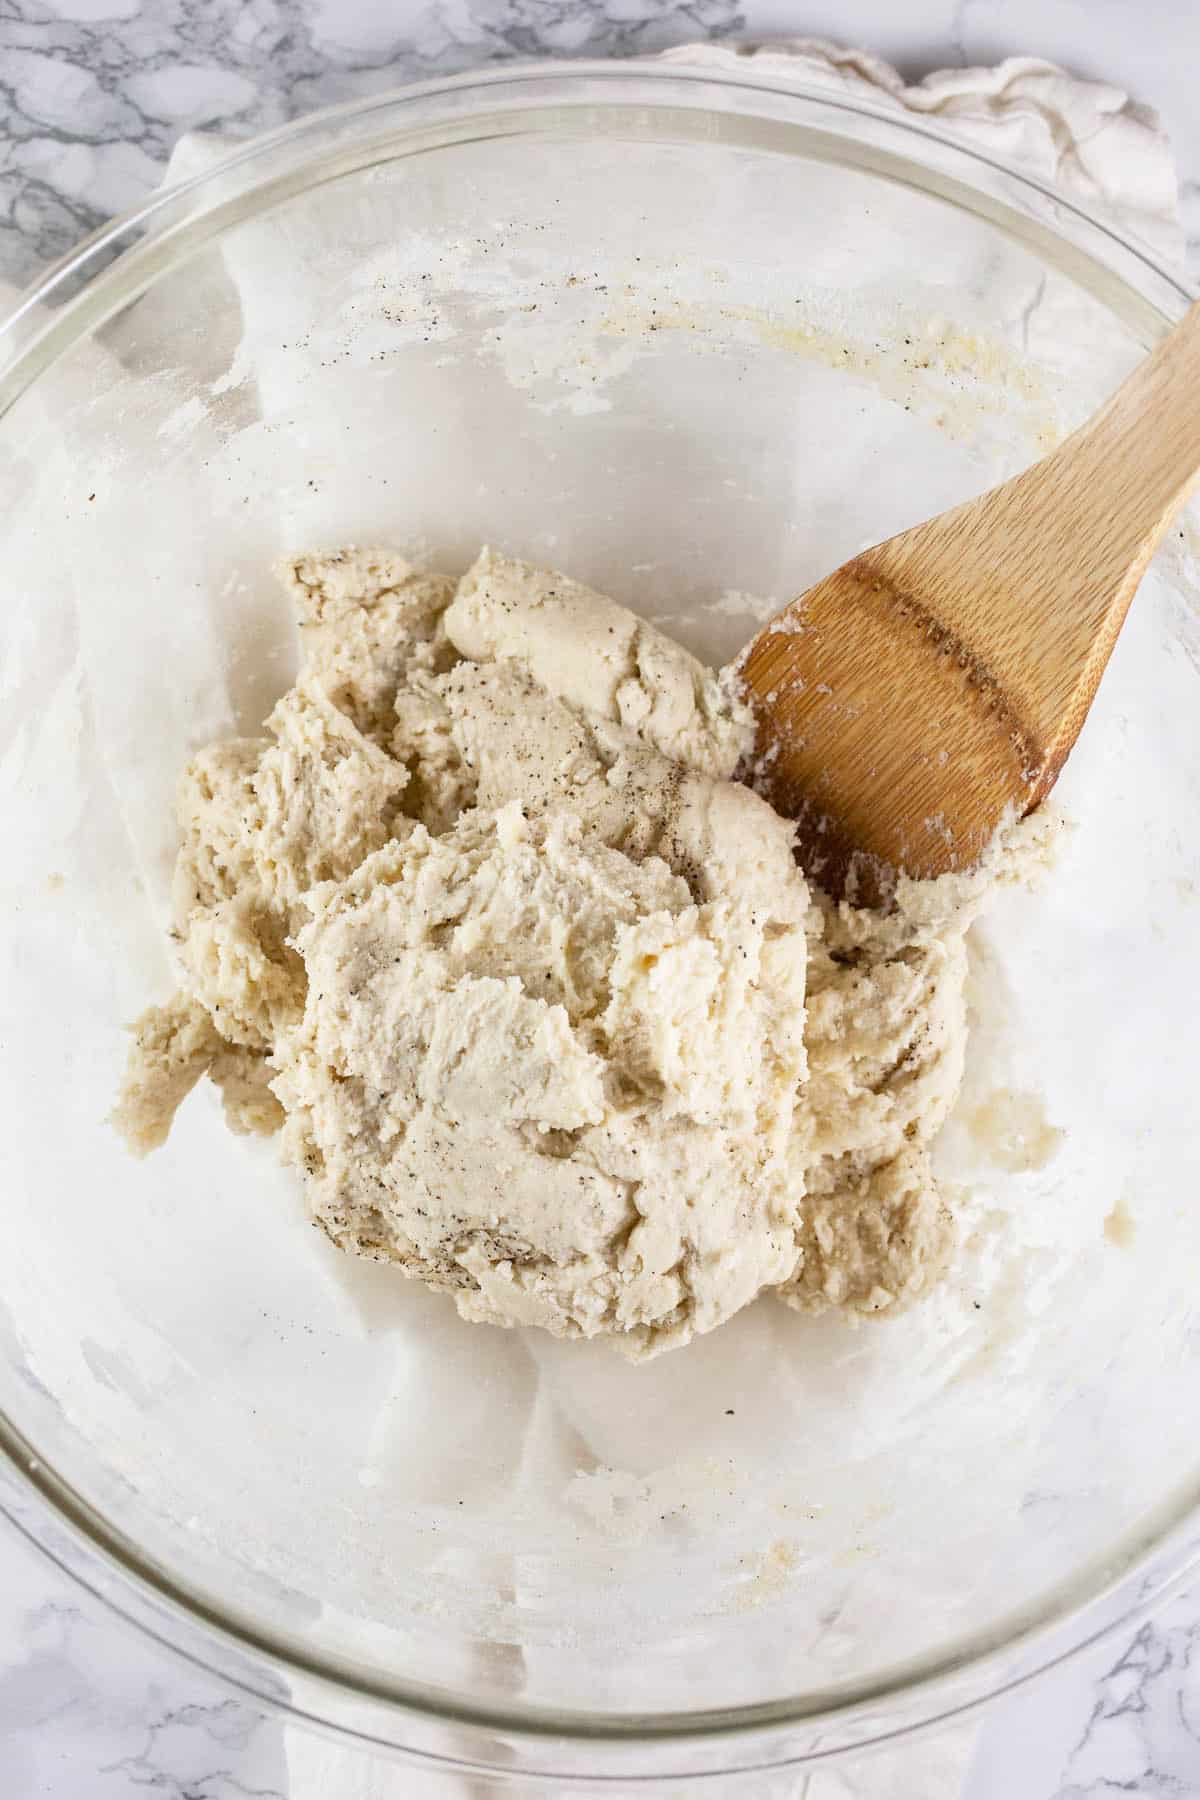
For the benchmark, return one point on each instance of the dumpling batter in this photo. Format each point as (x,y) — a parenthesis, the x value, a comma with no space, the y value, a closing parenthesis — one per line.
(537,994)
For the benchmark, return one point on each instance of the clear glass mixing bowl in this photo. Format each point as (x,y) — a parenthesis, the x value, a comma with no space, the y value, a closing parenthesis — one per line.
(695,340)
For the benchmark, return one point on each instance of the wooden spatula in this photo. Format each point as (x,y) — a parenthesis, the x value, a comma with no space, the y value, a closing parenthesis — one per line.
(934,684)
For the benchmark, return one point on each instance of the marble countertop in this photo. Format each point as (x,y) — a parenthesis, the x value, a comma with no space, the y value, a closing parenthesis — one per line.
(93,93)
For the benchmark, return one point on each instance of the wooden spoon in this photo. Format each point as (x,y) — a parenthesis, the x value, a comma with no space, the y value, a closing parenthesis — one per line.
(935,684)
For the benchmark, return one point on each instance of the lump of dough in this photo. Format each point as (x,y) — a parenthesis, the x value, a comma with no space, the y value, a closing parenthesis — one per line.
(533,1072)
(520,742)
(263,821)
(885,1040)
(549,1015)
(175,1046)
(886,1033)
(599,657)
(368,619)
(879,1240)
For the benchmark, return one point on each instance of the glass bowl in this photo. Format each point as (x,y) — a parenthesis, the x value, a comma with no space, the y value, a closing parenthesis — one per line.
(695,339)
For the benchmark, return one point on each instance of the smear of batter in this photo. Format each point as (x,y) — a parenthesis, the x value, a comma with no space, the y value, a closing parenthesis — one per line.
(534,991)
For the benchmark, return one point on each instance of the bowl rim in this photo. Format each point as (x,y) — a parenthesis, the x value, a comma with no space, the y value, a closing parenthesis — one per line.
(77,1540)
(54,312)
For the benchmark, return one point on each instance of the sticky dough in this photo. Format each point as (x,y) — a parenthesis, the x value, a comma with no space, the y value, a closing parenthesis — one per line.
(534,992)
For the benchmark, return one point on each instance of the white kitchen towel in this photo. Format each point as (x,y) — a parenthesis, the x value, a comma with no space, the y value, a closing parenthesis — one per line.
(1087,137)
(1096,143)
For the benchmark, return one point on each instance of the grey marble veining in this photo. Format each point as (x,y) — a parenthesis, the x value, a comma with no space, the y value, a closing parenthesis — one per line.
(93,94)
(90,1711)
(1123,1718)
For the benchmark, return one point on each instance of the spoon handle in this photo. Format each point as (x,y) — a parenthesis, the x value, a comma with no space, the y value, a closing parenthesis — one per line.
(1104,498)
